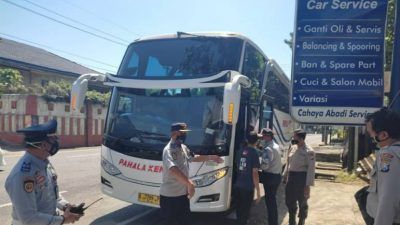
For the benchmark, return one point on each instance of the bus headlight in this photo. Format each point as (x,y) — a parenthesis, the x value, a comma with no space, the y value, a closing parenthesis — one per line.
(109,167)
(210,177)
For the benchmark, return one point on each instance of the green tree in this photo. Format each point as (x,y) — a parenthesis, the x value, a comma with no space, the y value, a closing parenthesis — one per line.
(389,34)
(289,42)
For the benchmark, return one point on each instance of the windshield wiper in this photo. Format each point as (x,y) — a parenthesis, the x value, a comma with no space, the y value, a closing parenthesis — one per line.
(151,133)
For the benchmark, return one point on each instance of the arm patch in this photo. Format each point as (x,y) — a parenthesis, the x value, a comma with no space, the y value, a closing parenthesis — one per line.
(29,184)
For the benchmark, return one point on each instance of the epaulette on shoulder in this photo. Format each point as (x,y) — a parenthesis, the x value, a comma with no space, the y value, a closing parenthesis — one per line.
(26,167)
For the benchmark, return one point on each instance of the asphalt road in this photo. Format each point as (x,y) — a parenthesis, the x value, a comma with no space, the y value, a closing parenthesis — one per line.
(79,181)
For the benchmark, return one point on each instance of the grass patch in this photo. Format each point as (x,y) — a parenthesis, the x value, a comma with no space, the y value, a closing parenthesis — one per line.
(345,177)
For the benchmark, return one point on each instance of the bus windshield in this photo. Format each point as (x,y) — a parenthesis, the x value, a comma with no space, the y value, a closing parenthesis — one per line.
(139,120)
(181,58)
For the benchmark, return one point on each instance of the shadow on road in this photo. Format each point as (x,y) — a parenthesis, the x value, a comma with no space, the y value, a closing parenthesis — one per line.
(132,214)
(135,215)
(258,215)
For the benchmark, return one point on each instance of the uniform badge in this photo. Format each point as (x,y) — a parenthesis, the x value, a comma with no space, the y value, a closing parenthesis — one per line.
(385,168)
(386,158)
(245,152)
(28,185)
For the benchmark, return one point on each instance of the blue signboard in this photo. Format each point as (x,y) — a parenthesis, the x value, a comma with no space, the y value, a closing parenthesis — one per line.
(338,53)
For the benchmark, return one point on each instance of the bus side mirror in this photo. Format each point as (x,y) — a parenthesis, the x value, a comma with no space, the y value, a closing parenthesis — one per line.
(230,109)
(80,87)
(78,93)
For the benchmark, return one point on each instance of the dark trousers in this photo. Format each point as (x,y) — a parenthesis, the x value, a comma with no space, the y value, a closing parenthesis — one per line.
(244,198)
(372,221)
(295,193)
(271,183)
(176,210)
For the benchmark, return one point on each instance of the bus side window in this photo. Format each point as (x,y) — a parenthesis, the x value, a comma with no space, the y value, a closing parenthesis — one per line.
(254,68)
(277,92)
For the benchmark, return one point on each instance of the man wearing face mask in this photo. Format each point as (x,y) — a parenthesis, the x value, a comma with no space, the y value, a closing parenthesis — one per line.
(176,188)
(299,175)
(383,201)
(32,184)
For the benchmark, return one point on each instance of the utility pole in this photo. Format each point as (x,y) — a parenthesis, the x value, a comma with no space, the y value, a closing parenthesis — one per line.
(395,78)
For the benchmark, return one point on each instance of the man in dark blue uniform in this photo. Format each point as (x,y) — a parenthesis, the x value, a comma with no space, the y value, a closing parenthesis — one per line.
(32,184)
(247,179)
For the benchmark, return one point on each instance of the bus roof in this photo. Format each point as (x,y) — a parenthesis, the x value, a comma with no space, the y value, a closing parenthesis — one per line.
(185,34)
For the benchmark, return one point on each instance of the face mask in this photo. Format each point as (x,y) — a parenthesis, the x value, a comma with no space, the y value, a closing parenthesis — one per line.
(294,142)
(55,146)
(375,139)
(181,138)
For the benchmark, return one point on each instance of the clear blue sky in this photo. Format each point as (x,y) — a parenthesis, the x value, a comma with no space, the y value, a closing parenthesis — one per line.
(266,22)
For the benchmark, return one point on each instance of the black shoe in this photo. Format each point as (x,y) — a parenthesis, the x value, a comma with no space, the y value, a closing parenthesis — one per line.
(292,219)
(302,221)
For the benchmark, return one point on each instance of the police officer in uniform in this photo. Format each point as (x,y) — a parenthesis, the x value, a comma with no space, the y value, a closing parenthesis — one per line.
(32,183)
(383,201)
(176,188)
(299,176)
(271,166)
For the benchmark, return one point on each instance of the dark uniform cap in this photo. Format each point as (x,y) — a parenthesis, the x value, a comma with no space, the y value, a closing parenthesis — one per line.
(267,131)
(299,131)
(38,133)
(179,127)
(252,137)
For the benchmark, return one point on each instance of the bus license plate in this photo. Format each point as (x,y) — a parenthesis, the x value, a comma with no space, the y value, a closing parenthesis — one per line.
(148,198)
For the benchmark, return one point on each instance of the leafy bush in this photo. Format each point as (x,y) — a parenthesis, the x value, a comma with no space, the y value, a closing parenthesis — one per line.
(61,92)
(98,97)
(57,92)
(11,82)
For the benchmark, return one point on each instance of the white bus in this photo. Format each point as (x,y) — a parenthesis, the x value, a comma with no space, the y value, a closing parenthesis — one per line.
(220,84)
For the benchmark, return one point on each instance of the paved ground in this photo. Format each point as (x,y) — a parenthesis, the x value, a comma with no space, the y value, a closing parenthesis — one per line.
(331,203)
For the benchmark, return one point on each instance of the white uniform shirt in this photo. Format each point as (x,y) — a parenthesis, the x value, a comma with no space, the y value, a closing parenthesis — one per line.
(383,201)
(177,155)
(271,158)
(301,160)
